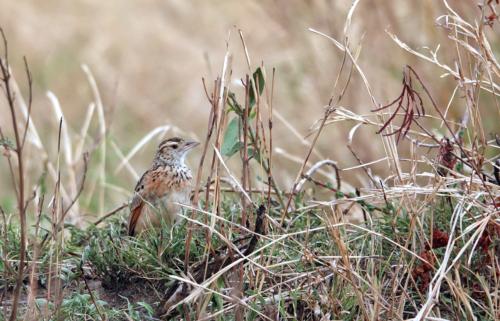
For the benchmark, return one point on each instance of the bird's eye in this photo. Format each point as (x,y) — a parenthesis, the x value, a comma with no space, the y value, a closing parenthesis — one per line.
(175,146)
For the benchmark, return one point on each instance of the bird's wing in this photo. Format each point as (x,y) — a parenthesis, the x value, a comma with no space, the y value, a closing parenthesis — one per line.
(135,213)
(137,203)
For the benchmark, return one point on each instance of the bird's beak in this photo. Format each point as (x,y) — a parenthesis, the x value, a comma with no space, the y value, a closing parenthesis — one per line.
(190,144)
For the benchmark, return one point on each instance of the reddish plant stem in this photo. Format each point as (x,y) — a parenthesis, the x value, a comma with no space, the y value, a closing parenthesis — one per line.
(6,76)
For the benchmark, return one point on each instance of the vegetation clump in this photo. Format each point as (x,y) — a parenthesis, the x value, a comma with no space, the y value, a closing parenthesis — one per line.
(421,242)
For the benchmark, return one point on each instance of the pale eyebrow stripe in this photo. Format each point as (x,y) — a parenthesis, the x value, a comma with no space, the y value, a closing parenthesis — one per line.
(169,143)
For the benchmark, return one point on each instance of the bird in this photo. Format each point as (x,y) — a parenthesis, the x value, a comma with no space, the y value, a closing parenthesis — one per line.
(162,187)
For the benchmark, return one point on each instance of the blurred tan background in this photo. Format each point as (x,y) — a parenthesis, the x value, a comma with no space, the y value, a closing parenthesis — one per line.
(148,58)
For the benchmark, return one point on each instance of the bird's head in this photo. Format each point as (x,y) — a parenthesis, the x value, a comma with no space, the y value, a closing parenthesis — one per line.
(174,150)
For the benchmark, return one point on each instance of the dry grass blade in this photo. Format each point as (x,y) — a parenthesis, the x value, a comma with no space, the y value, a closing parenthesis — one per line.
(101,141)
(234,179)
(84,131)
(161,130)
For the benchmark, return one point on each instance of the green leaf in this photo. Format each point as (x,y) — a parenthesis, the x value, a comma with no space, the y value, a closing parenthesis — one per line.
(219,302)
(86,253)
(231,144)
(234,149)
(7,143)
(258,80)
(147,307)
(233,104)
(253,154)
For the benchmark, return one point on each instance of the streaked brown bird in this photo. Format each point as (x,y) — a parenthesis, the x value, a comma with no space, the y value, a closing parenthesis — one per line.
(166,183)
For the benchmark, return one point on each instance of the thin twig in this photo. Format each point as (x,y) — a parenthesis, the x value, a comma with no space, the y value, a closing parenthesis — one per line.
(6,76)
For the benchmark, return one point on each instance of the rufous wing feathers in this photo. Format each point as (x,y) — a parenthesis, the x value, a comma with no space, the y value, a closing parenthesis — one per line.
(135,214)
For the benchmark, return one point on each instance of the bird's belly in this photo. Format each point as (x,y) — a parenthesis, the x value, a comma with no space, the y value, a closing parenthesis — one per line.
(169,204)
(166,208)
